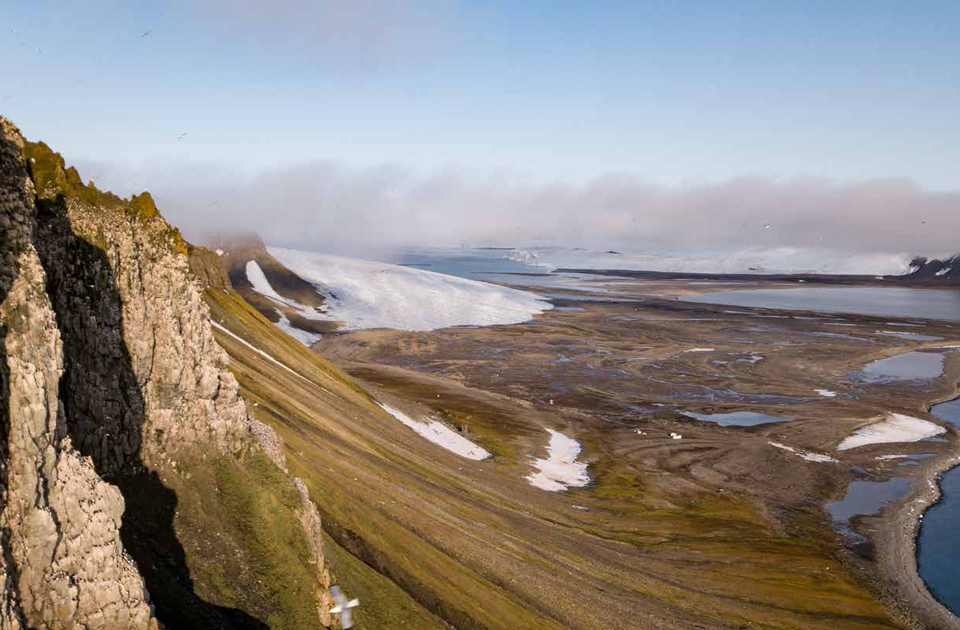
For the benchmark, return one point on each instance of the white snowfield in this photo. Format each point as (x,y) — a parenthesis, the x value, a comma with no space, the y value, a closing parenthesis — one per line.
(810,457)
(366,294)
(826,393)
(699,350)
(262,286)
(895,428)
(561,470)
(440,434)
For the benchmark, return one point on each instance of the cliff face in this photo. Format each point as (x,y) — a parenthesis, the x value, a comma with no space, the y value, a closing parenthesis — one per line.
(136,488)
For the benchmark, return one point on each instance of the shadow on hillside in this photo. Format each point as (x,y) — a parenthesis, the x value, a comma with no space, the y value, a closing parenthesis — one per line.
(104,410)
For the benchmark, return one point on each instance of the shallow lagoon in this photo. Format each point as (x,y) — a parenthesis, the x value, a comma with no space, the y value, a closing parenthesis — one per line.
(888,302)
(736,418)
(905,367)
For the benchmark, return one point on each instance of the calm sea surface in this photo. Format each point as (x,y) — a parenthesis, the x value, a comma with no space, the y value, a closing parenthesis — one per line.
(938,553)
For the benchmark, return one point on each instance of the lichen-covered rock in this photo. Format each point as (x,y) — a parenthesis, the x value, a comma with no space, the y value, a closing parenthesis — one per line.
(312,527)
(126,453)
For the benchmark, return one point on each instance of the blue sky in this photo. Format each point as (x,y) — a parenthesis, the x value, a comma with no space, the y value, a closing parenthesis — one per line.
(532,93)
(673,91)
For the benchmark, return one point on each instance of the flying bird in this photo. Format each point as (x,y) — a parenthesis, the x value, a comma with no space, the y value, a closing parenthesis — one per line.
(181,136)
(343,607)
(145,33)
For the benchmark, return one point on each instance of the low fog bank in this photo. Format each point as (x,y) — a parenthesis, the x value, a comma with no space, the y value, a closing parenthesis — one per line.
(370,212)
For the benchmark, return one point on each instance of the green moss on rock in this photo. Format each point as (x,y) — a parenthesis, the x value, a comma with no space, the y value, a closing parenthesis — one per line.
(53,179)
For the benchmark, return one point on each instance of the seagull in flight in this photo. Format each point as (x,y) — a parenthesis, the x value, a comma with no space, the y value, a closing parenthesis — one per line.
(343,607)
(182,136)
(145,33)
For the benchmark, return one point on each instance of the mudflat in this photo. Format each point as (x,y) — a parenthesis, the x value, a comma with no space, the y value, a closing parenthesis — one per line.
(685,522)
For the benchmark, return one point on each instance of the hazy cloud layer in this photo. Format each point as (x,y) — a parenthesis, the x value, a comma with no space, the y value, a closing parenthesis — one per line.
(348,32)
(330,206)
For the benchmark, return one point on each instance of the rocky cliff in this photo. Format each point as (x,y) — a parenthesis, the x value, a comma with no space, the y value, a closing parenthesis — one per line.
(137,492)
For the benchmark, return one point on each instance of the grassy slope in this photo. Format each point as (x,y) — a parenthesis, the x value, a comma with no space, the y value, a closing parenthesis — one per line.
(473,543)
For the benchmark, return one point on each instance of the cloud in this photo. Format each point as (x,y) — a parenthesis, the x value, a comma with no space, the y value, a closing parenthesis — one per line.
(350,32)
(335,207)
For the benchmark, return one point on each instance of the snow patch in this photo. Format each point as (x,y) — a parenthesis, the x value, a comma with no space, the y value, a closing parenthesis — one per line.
(699,350)
(255,349)
(440,434)
(826,393)
(752,358)
(810,457)
(262,286)
(561,470)
(220,252)
(303,336)
(366,294)
(883,457)
(944,271)
(896,428)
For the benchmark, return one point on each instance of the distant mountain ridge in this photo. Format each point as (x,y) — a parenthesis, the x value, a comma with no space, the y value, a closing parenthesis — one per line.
(935,271)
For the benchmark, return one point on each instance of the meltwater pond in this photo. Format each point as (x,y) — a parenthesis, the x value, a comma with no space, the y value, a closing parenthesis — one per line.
(736,418)
(866,497)
(888,302)
(905,367)
(938,550)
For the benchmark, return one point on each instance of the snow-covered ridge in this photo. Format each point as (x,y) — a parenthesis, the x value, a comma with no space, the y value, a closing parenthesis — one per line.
(440,434)
(561,470)
(366,294)
(896,428)
(262,286)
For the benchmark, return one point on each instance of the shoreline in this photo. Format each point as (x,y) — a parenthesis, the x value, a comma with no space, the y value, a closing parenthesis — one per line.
(897,540)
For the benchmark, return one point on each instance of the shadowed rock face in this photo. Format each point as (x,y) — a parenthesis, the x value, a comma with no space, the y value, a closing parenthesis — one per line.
(63,562)
(104,403)
(112,391)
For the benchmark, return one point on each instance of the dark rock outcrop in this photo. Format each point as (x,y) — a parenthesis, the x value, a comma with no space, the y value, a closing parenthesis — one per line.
(923,271)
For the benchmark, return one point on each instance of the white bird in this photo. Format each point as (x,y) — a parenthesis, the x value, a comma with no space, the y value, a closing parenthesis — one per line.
(343,607)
